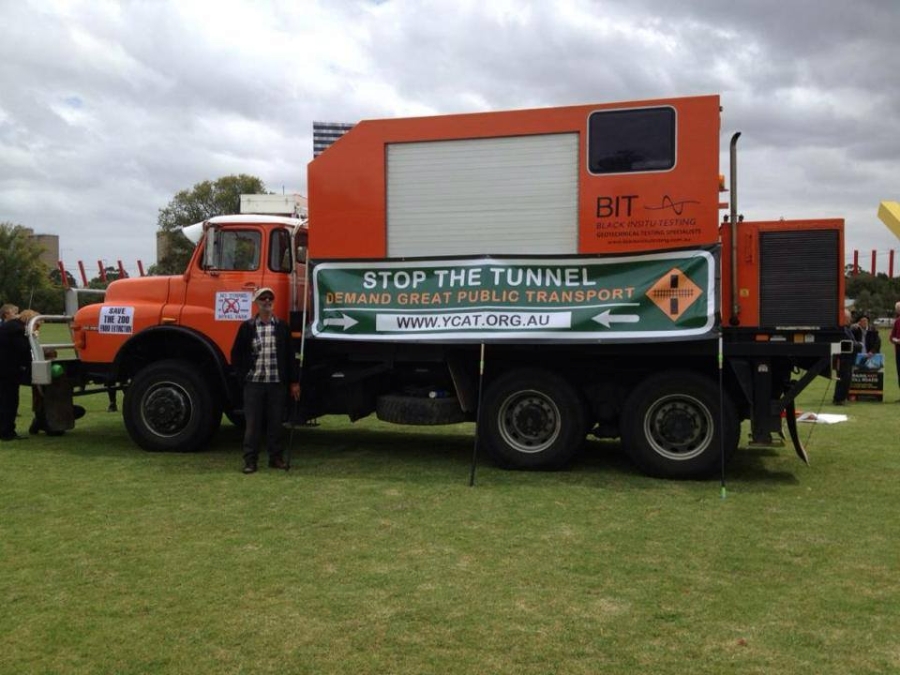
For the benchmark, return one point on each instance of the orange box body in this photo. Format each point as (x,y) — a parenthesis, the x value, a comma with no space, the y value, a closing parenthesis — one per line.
(673,208)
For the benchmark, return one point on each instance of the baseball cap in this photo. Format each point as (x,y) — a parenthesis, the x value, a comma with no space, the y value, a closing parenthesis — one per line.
(263,291)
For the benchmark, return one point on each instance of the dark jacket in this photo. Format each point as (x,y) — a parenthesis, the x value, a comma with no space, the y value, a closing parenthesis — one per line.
(242,352)
(869,338)
(15,352)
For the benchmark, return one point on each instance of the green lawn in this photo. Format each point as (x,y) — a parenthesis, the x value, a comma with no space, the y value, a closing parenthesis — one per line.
(374,556)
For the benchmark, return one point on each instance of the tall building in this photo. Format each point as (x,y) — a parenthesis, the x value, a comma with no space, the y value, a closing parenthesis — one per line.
(49,244)
(326,133)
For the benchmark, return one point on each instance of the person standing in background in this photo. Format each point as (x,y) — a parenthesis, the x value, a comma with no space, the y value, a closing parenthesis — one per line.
(868,336)
(845,362)
(895,338)
(7,312)
(15,365)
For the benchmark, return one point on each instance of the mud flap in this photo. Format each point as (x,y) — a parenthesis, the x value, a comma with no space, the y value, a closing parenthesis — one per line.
(59,412)
(791,419)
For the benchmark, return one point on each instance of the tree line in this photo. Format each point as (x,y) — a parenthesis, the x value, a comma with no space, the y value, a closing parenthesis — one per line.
(874,295)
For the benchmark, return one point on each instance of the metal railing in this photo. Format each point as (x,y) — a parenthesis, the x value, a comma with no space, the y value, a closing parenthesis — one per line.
(41,365)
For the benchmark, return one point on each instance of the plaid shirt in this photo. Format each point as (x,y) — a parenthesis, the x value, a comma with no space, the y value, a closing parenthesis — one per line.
(265,358)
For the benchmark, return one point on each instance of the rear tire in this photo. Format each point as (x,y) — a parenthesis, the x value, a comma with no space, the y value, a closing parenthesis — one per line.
(672,426)
(532,419)
(170,408)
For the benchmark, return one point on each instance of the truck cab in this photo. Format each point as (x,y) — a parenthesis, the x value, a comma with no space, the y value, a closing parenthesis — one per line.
(167,340)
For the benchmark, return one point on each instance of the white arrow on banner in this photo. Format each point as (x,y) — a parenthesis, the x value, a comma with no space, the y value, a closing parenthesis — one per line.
(344,322)
(606,318)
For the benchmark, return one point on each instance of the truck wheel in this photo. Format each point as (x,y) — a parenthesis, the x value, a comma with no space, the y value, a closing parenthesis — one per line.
(169,408)
(418,410)
(532,419)
(672,426)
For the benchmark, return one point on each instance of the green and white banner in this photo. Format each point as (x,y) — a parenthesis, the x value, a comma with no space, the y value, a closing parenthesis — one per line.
(660,296)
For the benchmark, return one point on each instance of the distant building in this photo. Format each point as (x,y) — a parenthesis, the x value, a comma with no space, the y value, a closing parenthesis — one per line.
(163,245)
(49,244)
(326,133)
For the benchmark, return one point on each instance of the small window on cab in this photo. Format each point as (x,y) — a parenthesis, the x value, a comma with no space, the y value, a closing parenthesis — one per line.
(280,251)
(631,141)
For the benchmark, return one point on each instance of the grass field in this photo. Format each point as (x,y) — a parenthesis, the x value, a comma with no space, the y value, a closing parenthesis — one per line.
(374,556)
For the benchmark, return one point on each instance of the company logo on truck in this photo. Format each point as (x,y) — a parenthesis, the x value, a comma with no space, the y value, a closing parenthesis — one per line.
(618,221)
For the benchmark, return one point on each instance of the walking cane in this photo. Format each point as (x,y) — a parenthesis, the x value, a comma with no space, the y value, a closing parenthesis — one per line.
(296,414)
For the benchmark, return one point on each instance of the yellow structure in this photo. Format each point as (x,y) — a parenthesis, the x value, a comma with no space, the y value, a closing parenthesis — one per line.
(889,214)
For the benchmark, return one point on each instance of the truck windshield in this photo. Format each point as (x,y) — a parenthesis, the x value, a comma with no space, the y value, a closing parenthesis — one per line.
(237,250)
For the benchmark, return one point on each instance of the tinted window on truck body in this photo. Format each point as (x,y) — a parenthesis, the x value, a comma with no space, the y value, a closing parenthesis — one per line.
(628,141)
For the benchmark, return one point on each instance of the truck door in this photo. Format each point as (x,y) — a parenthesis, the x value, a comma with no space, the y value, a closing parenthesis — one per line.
(235,262)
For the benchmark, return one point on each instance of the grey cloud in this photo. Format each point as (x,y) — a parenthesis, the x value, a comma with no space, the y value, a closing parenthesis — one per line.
(106,111)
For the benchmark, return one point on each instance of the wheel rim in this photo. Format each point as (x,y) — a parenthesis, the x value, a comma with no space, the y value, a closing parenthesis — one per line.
(529,421)
(166,409)
(679,427)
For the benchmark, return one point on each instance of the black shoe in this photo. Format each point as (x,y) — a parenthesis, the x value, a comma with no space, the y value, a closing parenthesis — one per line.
(34,428)
(112,408)
(838,403)
(14,437)
(279,463)
(249,468)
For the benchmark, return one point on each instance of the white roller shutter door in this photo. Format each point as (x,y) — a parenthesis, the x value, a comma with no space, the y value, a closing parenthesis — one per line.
(483,196)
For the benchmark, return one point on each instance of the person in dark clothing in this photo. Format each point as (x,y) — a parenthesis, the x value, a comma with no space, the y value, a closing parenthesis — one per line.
(867,336)
(895,338)
(845,363)
(15,364)
(7,312)
(263,358)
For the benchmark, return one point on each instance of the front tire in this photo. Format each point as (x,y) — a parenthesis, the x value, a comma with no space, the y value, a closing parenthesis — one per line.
(170,408)
(532,419)
(672,426)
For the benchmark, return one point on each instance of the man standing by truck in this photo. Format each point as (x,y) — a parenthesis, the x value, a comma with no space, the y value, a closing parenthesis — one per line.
(264,361)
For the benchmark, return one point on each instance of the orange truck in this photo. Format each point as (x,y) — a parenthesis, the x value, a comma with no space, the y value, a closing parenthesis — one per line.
(547,273)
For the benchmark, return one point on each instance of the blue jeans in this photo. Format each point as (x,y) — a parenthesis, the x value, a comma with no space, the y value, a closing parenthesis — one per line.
(263,411)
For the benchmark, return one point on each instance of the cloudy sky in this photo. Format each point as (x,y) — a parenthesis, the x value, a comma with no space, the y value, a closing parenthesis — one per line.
(107,109)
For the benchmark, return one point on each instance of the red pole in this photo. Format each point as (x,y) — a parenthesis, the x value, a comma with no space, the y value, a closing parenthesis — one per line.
(102,271)
(122,274)
(891,264)
(62,273)
(873,263)
(855,261)
(84,281)
(141,268)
